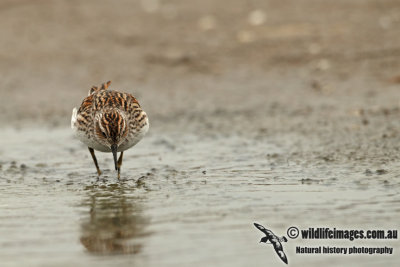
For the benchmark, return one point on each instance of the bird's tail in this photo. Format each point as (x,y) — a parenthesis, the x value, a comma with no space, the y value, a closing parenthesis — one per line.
(104,86)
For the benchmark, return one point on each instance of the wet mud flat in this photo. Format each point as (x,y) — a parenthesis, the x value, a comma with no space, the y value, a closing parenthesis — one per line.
(260,111)
(182,200)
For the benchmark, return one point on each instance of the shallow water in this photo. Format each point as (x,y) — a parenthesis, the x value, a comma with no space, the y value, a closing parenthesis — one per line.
(184,200)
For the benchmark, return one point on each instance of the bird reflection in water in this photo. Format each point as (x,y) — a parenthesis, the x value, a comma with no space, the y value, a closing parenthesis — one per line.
(115,224)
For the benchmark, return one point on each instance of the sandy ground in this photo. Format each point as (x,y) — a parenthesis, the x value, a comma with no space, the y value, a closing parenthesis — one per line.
(281,112)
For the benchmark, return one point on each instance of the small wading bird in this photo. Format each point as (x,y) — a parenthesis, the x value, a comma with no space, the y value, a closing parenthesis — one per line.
(274,240)
(109,121)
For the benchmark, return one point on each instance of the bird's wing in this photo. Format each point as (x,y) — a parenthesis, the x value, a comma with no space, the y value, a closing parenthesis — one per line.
(279,250)
(263,229)
(86,105)
(260,227)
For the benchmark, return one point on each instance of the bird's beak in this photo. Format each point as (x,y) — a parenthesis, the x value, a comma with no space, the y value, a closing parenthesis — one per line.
(114,148)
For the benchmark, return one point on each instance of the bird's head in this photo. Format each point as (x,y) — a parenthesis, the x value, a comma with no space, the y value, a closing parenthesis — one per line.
(264,239)
(111,129)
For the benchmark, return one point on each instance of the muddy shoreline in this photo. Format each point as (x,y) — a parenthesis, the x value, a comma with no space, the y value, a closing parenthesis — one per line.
(201,191)
(260,111)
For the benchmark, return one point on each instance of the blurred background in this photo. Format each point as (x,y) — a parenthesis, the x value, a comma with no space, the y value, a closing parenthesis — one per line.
(271,111)
(194,56)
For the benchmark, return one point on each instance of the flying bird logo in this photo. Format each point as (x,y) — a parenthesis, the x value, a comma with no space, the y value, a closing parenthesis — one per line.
(271,238)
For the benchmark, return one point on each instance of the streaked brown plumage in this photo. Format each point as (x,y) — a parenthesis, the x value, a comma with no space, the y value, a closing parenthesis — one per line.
(109,121)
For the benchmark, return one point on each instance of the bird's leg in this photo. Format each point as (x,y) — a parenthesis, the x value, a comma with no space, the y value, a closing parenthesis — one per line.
(120,163)
(94,160)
